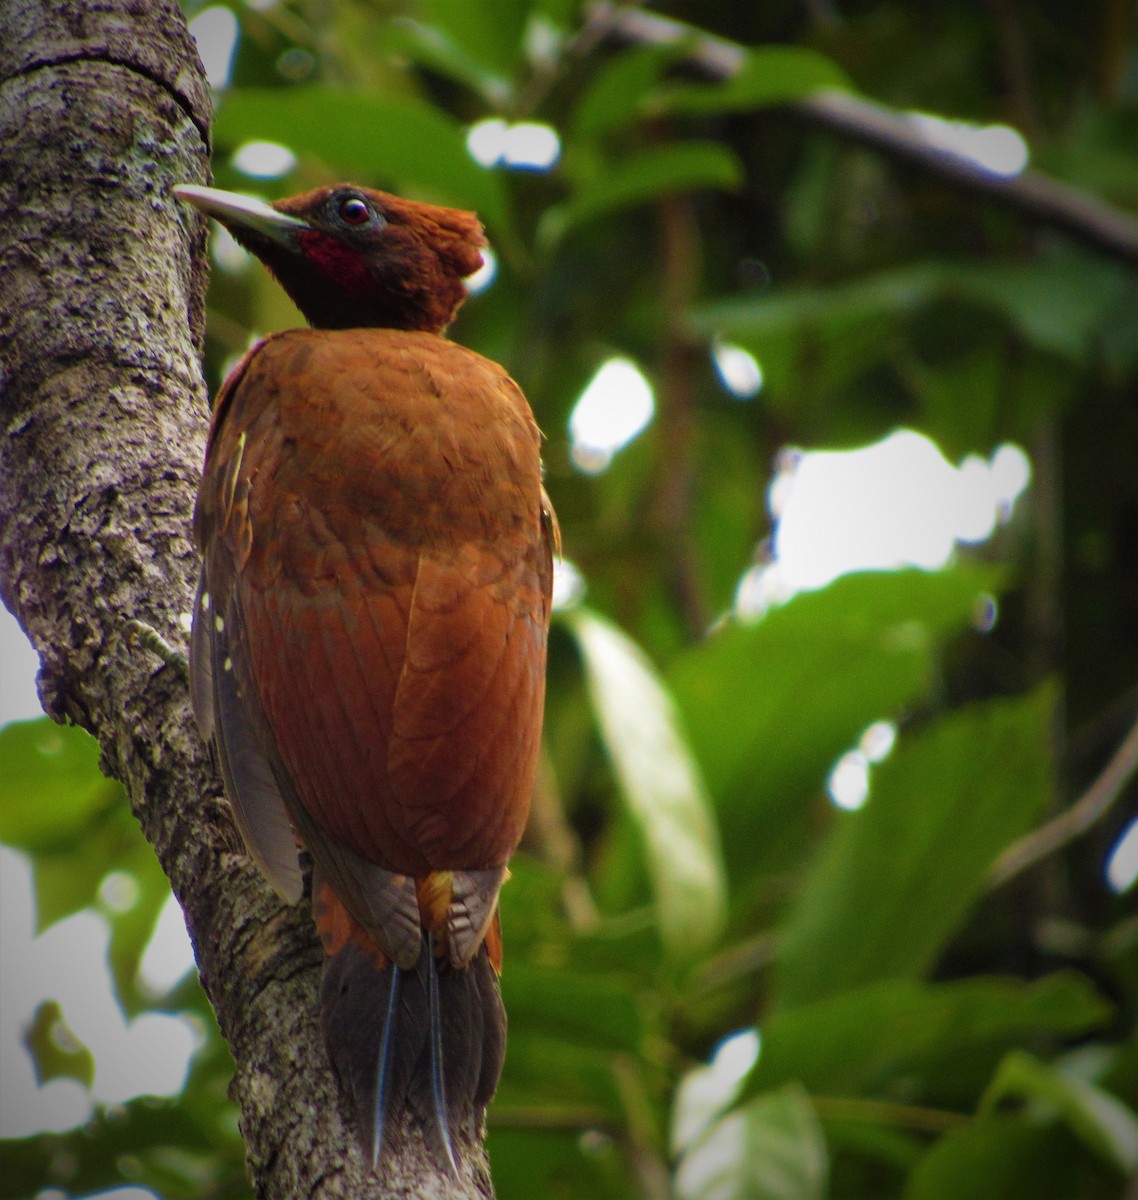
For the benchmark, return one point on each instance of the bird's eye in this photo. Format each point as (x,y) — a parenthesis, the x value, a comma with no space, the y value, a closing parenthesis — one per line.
(354,210)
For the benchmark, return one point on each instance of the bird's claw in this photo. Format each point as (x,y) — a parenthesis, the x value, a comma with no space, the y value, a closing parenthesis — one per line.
(139,633)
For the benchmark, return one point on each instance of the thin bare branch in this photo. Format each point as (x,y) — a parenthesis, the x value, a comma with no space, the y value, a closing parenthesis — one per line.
(1072,822)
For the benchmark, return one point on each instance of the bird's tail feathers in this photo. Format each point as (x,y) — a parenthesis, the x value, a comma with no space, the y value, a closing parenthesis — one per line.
(420,1045)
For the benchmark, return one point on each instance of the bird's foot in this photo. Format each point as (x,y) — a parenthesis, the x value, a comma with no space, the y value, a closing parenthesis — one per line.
(138,633)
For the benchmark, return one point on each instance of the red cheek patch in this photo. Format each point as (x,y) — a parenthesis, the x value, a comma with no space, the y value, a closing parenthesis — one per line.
(346,267)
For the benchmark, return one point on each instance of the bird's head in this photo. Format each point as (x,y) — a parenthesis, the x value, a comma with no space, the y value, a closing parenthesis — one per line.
(350,257)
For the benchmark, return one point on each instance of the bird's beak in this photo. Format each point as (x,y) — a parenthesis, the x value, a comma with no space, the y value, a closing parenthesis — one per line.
(237,213)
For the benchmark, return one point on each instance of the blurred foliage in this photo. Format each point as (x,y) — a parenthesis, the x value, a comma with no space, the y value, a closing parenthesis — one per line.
(922,1032)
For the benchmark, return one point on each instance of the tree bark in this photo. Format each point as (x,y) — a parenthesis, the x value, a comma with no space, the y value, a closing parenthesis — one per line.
(103,107)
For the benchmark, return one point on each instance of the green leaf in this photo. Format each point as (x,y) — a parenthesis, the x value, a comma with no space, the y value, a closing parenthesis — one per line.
(491,34)
(707,1092)
(67,876)
(1099,1119)
(183,1147)
(659,780)
(903,1028)
(627,88)
(51,785)
(432,46)
(613,93)
(370,137)
(999,1158)
(771,704)
(566,1165)
(1058,303)
(644,176)
(961,401)
(589,1009)
(75,824)
(547,1070)
(772,1149)
(55,1050)
(896,878)
(132,929)
(830,309)
(836,330)
(768,75)
(157,1144)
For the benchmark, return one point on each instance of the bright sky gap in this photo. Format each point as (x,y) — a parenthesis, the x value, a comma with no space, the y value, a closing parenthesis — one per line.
(524,146)
(616,405)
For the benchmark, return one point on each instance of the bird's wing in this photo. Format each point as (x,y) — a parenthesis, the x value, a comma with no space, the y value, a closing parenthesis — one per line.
(215,691)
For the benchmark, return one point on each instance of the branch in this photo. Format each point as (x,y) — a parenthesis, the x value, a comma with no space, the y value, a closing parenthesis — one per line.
(670,514)
(103,107)
(1074,821)
(1031,193)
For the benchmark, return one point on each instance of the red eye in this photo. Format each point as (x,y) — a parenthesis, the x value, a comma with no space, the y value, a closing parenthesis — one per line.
(352,210)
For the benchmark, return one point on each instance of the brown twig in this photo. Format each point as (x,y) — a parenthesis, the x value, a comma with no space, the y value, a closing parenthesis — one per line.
(736,962)
(642,1143)
(1015,66)
(883,1112)
(1091,806)
(671,511)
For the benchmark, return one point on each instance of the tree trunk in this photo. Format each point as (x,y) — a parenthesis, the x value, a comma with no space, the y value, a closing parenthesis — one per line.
(103,107)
